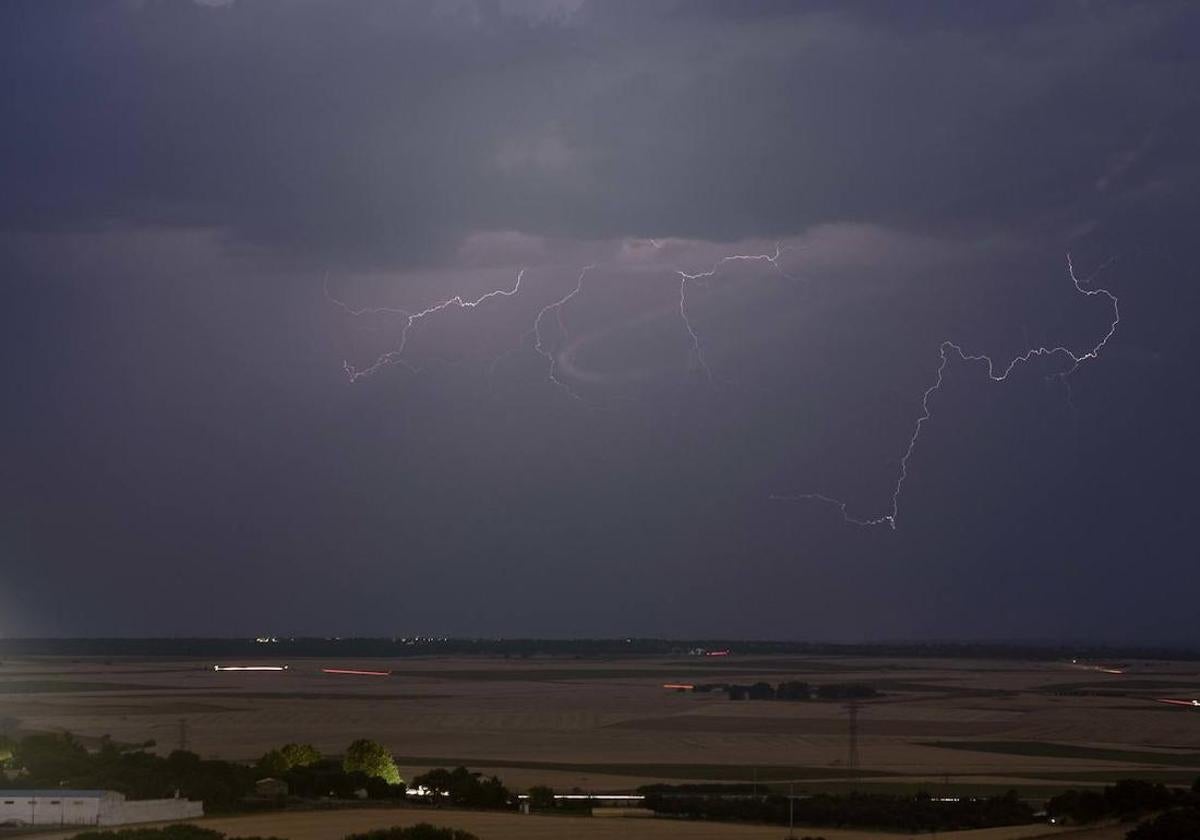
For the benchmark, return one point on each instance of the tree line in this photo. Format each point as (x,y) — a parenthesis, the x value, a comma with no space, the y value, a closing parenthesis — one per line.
(186,831)
(855,810)
(177,648)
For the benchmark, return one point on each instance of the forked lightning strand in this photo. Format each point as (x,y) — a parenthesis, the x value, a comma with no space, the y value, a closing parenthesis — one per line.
(536,331)
(996,375)
(685,279)
(396,355)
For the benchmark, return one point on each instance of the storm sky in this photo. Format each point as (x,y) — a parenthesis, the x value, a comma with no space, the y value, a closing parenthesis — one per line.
(214,213)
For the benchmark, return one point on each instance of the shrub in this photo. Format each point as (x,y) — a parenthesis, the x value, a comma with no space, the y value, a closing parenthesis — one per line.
(420,831)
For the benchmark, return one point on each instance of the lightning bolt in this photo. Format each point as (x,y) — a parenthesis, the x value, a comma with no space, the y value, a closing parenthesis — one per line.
(536,331)
(396,355)
(947,350)
(995,374)
(685,278)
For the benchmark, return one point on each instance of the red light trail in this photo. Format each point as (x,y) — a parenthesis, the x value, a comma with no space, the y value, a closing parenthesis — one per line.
(355,672)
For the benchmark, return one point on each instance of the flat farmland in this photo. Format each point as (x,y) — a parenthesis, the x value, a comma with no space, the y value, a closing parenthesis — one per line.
(334,825)
(609,725)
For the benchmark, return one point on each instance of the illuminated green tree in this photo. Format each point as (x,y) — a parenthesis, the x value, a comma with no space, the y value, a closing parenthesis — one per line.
(300,755)
(370,757)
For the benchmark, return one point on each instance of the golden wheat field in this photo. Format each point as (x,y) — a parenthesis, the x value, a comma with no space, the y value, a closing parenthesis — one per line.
(609,725)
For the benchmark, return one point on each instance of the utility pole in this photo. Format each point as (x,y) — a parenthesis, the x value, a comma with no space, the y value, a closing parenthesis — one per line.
(183,734)
(852,753)
(792,811)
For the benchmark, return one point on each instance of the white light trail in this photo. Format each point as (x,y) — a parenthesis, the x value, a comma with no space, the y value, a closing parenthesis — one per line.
(947,348)
(250,667)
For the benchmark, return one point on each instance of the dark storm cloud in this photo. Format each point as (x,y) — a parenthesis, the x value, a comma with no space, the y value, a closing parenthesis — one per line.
(182,182)
(385,134)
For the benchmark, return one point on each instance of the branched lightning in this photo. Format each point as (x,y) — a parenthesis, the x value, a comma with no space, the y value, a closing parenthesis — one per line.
(995,374)
(536,331)
(396,355)
(686,278)
(537,337)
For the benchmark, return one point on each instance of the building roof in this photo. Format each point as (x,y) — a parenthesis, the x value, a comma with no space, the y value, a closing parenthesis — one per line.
(56,793)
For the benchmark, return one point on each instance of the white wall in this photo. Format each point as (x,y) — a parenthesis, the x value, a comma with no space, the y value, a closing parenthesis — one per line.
(110,809)
(45,810)
(148,810)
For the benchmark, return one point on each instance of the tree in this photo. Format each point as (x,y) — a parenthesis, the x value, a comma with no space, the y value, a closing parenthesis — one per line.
(371,758)
(273,763)
(300,755)
(541,798)
(51,758)
(1172,825)
(462,787)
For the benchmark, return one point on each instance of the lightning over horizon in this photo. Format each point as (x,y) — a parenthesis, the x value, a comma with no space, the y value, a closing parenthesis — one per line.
(573,319)
(945,349)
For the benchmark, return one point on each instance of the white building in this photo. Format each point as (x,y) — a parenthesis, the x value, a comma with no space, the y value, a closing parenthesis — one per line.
(89,807)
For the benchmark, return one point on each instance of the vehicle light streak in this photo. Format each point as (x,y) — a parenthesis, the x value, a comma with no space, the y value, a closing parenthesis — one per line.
(356,672)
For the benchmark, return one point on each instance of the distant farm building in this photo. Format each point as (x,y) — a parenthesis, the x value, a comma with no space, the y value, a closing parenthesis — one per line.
(271,787)
(89,807)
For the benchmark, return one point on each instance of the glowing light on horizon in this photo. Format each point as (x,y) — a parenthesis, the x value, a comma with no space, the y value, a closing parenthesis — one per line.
(1174,702)
(600,797)
(250,667)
